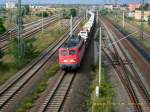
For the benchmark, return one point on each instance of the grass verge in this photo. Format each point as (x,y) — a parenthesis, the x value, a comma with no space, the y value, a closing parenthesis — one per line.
(28,102)
(144,42)
(42,41)
(106,93)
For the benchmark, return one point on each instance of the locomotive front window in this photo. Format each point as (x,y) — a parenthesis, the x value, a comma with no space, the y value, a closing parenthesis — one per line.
(63,52)
(71,52)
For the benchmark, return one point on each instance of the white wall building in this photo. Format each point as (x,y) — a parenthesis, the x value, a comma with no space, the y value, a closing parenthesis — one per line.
(10,5)
(108,6)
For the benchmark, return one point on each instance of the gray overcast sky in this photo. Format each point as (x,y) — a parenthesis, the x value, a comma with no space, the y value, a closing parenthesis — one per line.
(72,1)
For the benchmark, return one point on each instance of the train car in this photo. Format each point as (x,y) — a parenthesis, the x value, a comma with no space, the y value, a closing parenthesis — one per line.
(84,34)
(71,53)
(88,28)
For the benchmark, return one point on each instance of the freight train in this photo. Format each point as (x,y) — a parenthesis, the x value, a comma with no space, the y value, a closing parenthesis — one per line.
(72,51)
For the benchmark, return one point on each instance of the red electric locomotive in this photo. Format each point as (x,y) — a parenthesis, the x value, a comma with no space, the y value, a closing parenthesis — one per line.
(71,53)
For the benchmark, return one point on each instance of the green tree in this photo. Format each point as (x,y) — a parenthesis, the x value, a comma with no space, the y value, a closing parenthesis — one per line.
(104,11)
(2,28)
(2,65)
(149,20)
(30,51)
(13,49)
(27,9)
(145,7)
(23,12)
(72,12)
(45,14)
(67,14)
(50,12)
(2,9)
(1,54)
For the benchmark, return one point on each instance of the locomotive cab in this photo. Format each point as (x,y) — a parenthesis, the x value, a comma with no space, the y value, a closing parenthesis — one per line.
(70,53)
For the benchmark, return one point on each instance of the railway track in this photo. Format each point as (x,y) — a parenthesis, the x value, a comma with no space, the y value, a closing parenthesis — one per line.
(13,86)
(116,60)
(55,100)
(137,81)
(28,32)
(133,28)
(126,84)
(128,75)
(27,27)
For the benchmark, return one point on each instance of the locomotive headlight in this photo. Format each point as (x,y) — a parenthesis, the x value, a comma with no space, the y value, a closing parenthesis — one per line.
(72,60)
(65,60)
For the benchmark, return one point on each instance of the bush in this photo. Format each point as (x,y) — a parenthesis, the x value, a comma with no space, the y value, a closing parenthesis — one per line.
(27,9)
(2,28)
(67,14)
(29,51)
(45,14)
(2,66)
(149,20)
(29,101)
(104,11)
(72,12)
(1,54)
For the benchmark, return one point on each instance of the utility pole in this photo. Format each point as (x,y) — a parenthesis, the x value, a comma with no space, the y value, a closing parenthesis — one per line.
(71,32)
(149,6)
(142,18)
(123,19)
(42,22)
(86,14)
(100,53)
(10,35)
(20,38)
(97,89)
(97,18)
